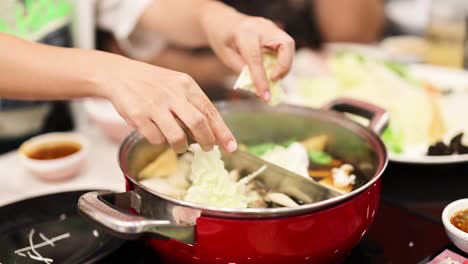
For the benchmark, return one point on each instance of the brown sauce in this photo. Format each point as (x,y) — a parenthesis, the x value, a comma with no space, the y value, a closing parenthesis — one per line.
(54,150)
(460,220)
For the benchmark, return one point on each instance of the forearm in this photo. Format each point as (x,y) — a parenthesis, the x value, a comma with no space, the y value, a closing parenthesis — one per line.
(34,71)
(181,21)
(358,20)
(205,69)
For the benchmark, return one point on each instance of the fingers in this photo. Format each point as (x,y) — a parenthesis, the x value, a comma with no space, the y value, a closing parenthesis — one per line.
(251,50)
(233,60)
(218,127)
(171,130)
(197,124)
(286,49)
(151,132)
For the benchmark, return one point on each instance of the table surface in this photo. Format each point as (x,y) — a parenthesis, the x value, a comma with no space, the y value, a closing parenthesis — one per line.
(101,170)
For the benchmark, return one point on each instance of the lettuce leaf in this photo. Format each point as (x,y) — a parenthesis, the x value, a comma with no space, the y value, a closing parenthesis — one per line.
(393,140)
(245,82)
(212,185)
(293,158)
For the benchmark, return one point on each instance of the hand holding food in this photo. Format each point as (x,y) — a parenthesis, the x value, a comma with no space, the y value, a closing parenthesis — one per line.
(153,99)
(245,42)
(245,82)
(149,98)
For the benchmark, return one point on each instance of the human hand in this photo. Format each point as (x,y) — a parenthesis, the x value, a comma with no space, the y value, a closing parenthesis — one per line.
(240,40)
(151,99)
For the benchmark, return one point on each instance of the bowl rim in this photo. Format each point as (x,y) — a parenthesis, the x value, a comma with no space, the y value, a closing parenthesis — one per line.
(446,218)
(73,136)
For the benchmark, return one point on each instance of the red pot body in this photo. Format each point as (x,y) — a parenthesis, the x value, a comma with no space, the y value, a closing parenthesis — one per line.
(325,236)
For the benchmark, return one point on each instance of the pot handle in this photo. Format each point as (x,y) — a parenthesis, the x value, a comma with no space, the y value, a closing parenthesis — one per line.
(129,226)
(378,117)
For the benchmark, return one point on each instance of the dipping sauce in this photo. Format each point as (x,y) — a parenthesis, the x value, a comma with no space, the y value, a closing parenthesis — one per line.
(55,150)
(460,220)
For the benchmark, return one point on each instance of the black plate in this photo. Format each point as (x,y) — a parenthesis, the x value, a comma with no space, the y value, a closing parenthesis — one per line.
(57,231)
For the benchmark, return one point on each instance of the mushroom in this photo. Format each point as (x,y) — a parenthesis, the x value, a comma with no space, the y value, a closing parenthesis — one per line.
(280,199)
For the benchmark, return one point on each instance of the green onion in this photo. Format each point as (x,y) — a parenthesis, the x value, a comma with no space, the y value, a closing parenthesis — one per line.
(260,149)
(320,157)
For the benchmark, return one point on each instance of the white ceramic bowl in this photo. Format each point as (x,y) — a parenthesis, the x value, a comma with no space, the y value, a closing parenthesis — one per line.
(104,115)
(54,169)
(458,237)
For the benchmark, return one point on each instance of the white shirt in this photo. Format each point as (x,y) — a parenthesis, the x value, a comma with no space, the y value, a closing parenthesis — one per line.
(119,17)
(49,22)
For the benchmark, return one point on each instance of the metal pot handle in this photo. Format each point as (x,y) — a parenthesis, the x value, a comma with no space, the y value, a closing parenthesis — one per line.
(377,116)
(129,226)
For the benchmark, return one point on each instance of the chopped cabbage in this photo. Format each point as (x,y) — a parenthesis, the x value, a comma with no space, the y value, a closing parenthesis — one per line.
(386,84)
(212,185)
(293,158)
(245,82)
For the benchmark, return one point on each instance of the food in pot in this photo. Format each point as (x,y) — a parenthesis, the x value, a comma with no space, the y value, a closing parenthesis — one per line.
(293,157)
(309,159)
(460,220)
(201,177)
(165,164)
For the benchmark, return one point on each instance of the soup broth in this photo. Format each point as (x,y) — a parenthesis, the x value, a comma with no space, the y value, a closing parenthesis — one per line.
(54,150)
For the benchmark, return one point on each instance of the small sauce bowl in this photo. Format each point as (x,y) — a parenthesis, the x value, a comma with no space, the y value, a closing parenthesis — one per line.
(458,237)
(54,156)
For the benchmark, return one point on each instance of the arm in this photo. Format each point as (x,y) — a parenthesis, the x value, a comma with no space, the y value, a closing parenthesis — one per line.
(206,69)
(177,20)
(33,71)
(149,98)
(237,39)
(354,21)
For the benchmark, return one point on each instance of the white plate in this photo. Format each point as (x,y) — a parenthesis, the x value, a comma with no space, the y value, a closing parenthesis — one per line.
(428,159)
(442,77)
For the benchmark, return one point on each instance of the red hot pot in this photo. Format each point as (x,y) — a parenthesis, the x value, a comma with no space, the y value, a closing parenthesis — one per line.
(321,232)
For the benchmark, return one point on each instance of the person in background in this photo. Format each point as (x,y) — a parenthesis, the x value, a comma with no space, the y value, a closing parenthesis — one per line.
(310,22)
(151,99)
(20,120)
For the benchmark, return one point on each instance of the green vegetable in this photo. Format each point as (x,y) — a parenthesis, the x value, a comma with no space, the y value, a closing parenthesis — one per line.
(349,68)
(320,157)
(261,149)
(393,140)
(288,142)
(402,70)
(399,68)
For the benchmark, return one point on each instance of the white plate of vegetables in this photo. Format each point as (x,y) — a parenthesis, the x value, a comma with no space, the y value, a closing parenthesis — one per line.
(428,105)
